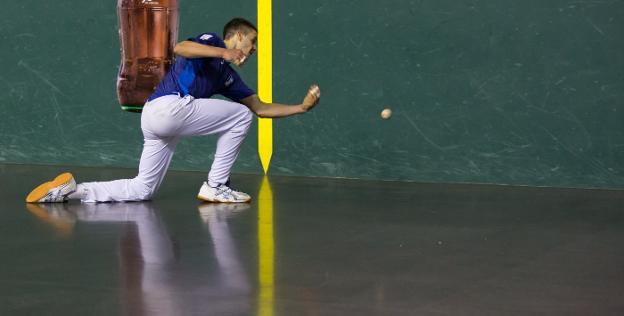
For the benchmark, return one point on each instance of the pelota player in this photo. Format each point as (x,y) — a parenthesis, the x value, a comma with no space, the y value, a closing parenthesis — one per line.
(181,106)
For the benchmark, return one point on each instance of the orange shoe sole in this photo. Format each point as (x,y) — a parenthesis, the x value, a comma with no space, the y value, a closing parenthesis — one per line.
(39,192)
(62,225)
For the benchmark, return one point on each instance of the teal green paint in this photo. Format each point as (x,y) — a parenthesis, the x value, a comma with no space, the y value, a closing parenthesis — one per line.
(482,91)
(57,87)
(509,92)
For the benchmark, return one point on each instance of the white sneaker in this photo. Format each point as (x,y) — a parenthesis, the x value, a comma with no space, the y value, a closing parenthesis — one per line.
(222,193)
(56,190)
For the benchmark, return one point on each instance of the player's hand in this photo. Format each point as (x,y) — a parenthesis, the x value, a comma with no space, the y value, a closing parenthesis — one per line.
(312,98)
(234,56)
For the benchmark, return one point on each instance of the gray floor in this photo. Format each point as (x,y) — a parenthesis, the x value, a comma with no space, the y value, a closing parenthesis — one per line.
(311,247)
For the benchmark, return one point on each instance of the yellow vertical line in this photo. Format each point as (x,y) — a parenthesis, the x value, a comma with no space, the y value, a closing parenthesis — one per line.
(266,245)
(265,80)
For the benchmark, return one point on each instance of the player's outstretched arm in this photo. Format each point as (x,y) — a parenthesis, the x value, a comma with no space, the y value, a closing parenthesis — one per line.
(277,110)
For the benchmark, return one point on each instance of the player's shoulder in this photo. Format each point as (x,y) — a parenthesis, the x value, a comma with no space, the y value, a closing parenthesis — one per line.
(208,38)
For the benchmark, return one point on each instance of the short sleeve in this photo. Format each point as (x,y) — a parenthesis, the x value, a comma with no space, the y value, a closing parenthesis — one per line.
(206,39)
(234,88)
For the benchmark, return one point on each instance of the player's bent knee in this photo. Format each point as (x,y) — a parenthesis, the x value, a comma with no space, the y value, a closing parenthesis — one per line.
(146,196)
(244,118)
(142,190)
(248,116)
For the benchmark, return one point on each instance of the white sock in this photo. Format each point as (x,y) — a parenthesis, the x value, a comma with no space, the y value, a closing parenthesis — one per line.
(79,194)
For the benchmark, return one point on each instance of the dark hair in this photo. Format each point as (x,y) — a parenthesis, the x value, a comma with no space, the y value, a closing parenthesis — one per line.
(237,25)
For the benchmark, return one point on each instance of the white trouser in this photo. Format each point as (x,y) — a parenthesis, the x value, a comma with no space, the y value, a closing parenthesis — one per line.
(164,122)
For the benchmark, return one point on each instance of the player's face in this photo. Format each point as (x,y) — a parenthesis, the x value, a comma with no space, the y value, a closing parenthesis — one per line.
(247,43)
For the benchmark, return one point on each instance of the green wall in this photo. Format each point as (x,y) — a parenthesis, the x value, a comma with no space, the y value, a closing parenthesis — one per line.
(512,92)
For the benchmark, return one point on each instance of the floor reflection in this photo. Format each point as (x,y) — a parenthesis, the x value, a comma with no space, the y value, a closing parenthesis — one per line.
(266,253)
(56,216)
(152,279)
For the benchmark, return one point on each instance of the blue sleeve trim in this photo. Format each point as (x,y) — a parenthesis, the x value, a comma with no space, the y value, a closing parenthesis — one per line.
(186,77)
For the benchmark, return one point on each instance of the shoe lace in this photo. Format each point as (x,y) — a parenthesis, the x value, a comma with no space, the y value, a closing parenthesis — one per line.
(224,190)
(54,195)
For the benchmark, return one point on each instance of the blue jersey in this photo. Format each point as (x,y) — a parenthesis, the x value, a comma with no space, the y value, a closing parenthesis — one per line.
(203,77)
